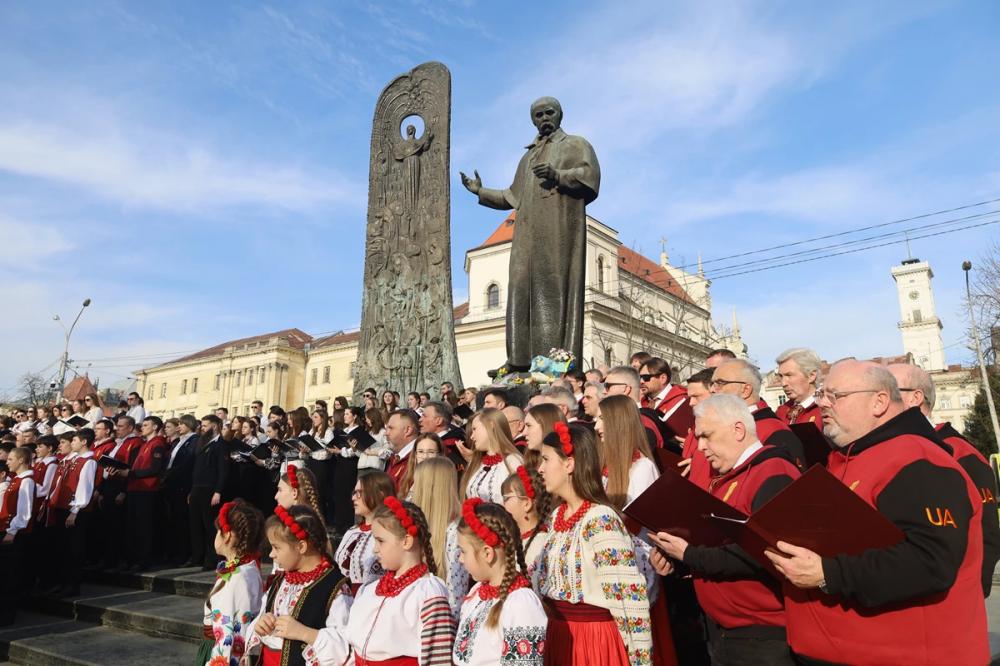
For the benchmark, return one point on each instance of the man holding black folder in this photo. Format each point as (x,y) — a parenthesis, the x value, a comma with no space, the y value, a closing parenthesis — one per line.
(919,601)
(743,603)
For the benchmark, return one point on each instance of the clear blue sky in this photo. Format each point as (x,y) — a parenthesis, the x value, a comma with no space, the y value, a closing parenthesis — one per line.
(200,170)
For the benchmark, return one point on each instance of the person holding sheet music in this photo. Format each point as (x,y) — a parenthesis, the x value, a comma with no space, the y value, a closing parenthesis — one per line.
(921,600)
(743,604)
(208,478)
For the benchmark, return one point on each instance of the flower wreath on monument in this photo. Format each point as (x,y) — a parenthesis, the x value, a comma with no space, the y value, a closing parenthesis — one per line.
(544,369)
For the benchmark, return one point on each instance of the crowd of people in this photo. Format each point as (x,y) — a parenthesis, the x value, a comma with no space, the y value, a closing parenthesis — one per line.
(468,530)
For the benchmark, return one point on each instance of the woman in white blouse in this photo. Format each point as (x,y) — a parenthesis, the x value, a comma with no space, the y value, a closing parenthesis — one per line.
(493,459)
(94,412)
(627,466)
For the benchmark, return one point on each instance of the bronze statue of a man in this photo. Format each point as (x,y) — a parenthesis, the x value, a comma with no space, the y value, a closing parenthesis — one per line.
(555,180)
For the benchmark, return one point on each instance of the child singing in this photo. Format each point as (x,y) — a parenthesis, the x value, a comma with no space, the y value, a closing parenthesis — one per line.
(502,618)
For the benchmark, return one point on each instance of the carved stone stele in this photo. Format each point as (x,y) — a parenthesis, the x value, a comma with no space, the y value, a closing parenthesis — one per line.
(407,327)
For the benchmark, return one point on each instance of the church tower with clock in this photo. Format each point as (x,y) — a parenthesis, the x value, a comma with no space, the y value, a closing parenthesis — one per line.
(919,323)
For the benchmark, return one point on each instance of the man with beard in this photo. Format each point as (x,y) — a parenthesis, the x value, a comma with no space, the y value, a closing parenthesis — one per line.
(208,478)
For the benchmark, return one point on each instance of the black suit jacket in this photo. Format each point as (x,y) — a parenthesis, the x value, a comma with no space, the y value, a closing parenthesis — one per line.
(177,478)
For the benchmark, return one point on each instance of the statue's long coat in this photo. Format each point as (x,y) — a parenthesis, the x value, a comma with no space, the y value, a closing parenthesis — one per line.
(547,261)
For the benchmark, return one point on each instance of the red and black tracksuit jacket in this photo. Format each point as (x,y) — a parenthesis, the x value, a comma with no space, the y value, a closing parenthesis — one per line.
(979,470)
(734,590)
(920,601)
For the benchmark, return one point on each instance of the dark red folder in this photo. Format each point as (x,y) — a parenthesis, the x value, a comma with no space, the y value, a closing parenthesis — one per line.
(680,421)
(815,445)
(817,511)
(667,460)
(675,505)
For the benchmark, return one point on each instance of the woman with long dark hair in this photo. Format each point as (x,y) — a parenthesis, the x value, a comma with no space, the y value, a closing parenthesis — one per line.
(597,604)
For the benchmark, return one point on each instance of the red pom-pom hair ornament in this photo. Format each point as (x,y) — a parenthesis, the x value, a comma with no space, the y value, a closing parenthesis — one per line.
(562,430)
(224,517)
(486,535)
(293,477)
(529,490)
(402,515)
(290,522)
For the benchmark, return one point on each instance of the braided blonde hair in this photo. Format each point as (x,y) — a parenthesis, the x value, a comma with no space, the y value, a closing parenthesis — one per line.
(501,523)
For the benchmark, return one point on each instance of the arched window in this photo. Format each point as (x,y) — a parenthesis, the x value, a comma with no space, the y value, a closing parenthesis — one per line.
(600,274)
(493,296)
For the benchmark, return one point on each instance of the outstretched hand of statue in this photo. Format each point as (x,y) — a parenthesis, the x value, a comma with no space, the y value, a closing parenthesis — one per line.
(472,185)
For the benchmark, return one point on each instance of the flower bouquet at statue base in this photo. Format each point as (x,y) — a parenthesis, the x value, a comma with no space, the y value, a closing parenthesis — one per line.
(544,369)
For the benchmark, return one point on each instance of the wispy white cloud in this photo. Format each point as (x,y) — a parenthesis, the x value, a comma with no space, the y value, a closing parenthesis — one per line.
(25,245)
(145,168)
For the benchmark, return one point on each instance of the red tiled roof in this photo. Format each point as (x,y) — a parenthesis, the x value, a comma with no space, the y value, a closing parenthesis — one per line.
(294,336)
(337,339)
(78,388)
(645,269)
(503,234)
(461,310)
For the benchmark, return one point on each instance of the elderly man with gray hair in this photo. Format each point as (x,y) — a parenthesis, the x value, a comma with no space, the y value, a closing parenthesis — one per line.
(921,600)
(564,399)
(917,390)
(740,378)
(798,370)
(743,603)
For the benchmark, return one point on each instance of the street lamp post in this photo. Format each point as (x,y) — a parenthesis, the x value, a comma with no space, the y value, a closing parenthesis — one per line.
(64,364)
(967,266)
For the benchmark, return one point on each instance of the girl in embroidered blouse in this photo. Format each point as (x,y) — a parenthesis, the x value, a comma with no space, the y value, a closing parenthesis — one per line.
(502,618)
(235,597)
(587,573)
(435,491)
(493,458)
(404,615)
(527,501)
(299,622)
(298,491)
(356,553)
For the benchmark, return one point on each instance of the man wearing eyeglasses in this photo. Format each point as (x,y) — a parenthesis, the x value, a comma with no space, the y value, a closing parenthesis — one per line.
(668,400)
(624,380)
(738,377)
(920,601)
(917,390)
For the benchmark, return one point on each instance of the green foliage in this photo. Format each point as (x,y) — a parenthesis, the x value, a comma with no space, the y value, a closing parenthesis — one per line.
(978,426)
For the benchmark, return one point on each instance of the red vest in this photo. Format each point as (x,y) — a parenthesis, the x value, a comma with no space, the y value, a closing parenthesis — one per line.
(8,505)
(810,414)
(39,471)
(743,603)
(65,484)
(945,628)
(149,455)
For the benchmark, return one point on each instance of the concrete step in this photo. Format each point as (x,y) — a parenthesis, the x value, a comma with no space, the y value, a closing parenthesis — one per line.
(154,614)
(188,582)
(44,640)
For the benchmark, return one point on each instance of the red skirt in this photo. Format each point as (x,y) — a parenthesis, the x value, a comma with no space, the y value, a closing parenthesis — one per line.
(582,635)
(269,657)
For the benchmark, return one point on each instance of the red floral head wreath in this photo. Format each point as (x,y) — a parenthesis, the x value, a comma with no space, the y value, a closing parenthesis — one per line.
(402,515)
(290,522)
(488,536)
(529,490)
(224,517)
(293,477)
(562,431)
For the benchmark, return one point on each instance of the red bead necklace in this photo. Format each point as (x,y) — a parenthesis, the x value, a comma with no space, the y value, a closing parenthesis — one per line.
(306,577)
(390,585)
(491,460)
(365,527)
(487,591)
(225,569)
(563,524)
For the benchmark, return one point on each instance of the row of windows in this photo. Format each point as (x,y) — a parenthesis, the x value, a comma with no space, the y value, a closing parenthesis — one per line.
(250,376)
(314,375)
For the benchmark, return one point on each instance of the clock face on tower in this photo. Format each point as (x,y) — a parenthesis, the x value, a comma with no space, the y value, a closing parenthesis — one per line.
(914,295)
